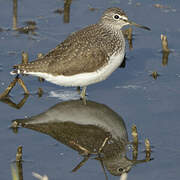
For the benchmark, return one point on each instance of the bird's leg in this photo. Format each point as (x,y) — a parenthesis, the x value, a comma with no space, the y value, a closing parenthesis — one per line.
(78,89)
(83,94)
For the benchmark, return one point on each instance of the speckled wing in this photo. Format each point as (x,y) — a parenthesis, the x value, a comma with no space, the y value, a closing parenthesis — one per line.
(73,56)
(76,62)
(66,64)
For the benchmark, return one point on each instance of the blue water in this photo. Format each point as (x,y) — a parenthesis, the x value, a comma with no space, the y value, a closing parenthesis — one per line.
(152,105)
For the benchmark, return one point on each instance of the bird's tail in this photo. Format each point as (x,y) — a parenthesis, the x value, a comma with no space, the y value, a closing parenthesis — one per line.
(15,70)
(34,66)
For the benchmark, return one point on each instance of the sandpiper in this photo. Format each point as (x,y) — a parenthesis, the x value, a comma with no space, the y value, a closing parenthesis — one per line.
(87,56)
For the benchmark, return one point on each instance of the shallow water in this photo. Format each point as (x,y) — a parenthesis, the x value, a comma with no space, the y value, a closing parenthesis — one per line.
(152,105)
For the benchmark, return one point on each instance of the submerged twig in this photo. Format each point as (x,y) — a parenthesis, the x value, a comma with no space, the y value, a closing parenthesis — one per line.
(102,165)
(81,163)
(87,154)
(8,101)
(148,149)
(67,5)
(134,134)
(5,94)
(164,43)
(92,8)
(15,11)
(21,83)
(59,11)
(165,49)
(40,92)
(85,151)
(103,144)
(155,75)
(19,154)
(19,163)
(9,88)
(129,36)
(165,56)
(14,127)
(14,172)
(24,57)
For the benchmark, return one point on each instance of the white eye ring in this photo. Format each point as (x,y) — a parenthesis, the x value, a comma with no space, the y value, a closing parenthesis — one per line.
(116,16)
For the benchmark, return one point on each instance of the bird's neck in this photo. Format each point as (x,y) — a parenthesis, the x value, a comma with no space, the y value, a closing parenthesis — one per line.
(114,38)
(114,29)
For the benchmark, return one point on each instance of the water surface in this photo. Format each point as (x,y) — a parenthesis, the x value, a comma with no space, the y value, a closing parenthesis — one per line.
(153,105)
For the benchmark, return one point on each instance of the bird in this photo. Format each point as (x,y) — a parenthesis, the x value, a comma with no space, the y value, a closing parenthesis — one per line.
(85,57)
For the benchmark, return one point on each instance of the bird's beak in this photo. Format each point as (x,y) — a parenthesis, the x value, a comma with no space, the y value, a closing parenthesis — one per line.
(138,25)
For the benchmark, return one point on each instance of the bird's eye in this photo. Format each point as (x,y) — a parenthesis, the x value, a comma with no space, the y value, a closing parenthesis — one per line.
(120,170)
(116,16)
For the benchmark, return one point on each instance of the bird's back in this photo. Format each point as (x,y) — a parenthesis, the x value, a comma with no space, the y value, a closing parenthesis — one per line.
(90,46)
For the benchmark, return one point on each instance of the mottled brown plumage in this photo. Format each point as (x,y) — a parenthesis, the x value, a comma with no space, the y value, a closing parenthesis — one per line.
(84,51)
(87,56)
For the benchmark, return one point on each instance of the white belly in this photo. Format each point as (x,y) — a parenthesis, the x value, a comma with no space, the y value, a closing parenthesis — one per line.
(84,79)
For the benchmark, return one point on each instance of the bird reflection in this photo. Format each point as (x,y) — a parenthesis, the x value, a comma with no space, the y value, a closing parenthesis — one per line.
(91,129)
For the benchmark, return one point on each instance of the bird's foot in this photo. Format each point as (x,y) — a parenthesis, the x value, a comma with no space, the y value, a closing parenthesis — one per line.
(83,95)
